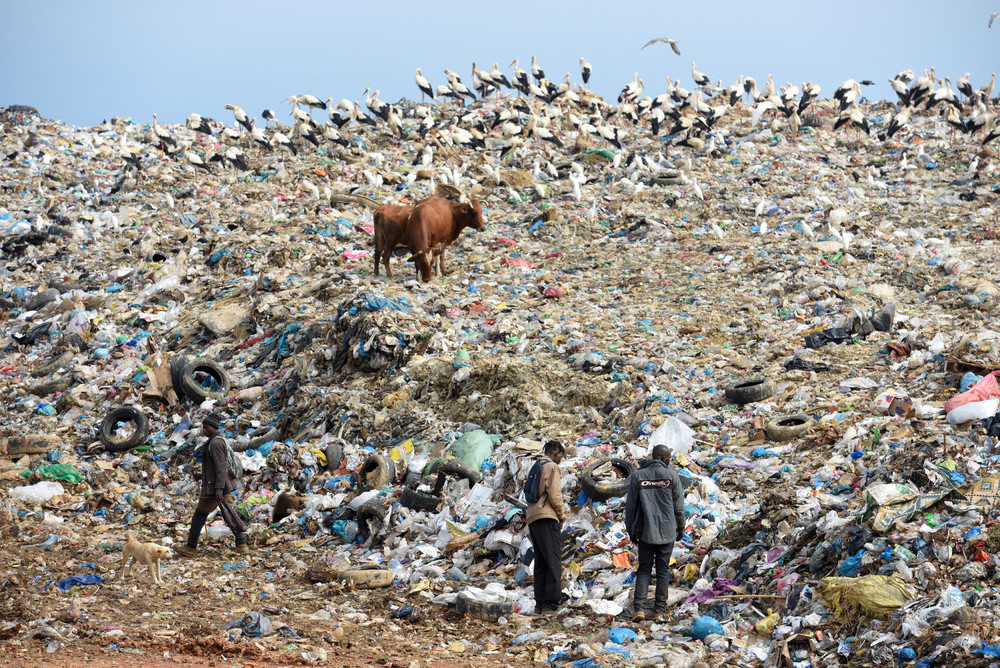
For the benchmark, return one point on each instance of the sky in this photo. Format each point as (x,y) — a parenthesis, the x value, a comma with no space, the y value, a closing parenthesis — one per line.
(83,62)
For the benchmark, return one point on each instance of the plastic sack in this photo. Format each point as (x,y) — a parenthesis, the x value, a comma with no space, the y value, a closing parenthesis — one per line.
(766,626)
(473,448)
(63,472)
(705,626)
(675,435)
(253,625)
(872,595)
(975,410)
(37,493)
(79,581)
(985,389)
(621,636)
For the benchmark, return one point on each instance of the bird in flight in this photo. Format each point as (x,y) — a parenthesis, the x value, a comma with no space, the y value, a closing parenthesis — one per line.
(993,17)
(665,40)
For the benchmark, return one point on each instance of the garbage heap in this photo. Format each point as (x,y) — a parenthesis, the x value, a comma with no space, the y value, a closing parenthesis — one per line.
(814,344)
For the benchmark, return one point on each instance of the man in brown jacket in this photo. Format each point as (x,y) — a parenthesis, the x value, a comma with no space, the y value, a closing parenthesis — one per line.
(215,486)
(545,528)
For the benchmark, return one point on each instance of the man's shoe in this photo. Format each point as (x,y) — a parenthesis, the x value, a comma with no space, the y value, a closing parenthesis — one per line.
(242,549)
(186,551)
(639,616)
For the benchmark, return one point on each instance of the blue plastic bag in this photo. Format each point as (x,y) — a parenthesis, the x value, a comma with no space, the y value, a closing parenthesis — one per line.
(705,626)
(79,581)
(621,636)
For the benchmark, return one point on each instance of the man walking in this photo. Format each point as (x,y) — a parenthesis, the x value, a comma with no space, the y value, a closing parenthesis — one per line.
(545,519)
(654,518)
(215,486)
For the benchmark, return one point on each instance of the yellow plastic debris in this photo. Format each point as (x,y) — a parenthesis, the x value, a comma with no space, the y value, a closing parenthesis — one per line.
(766,626)
(872,595)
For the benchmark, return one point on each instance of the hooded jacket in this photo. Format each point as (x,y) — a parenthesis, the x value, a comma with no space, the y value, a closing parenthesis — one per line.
(654,505)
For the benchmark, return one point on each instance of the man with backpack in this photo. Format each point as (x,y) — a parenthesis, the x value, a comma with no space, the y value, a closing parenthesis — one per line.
(217,482)
(654,518)
(543,492)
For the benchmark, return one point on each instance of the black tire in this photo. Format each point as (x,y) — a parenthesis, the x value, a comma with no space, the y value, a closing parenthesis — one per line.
(269,435)
(58,362)
(334,456)
(46,388)
(31,444)
(177,366)
(788,427)
(750,390)
(417,501)
(488,612)
(378,465)
(366,577)
(111,422)
(370,510)
(602,491)
(194,390)
(455,469)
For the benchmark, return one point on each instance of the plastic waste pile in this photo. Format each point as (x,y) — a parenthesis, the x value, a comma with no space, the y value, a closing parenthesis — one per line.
(814,340)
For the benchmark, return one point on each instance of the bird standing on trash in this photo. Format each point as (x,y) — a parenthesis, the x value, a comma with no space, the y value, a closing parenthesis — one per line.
(544,518)
(216,485)
(654,519)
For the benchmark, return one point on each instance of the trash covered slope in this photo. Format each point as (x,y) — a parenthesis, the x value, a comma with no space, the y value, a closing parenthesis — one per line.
(805,315)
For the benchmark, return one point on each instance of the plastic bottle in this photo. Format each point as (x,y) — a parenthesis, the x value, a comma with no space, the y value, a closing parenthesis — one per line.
(529,637)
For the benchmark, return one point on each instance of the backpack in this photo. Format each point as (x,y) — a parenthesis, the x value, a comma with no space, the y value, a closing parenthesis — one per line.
(234,468)
(534,481)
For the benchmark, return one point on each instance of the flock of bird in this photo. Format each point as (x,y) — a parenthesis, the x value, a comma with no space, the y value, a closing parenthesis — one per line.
(530,111)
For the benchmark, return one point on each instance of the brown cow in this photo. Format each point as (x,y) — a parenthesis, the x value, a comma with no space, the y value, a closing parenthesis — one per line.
(434,221)
(390,230)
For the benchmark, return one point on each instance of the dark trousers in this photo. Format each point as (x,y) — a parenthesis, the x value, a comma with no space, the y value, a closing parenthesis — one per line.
(649,555)
(546,540)
(206,505)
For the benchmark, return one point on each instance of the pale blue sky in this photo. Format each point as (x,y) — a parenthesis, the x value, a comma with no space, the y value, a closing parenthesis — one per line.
(86,61)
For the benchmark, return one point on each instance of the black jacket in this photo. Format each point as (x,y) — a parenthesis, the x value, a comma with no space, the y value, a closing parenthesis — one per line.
(654,506)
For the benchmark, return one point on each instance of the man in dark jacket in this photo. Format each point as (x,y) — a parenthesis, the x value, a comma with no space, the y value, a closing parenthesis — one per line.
(654,518)
(215,486)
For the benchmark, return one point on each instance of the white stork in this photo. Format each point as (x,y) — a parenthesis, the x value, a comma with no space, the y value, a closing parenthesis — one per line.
(162,136)
(700,78)
(585,70)
(425,86)
(536,71)
(240,116)
(520,78)
(198,124)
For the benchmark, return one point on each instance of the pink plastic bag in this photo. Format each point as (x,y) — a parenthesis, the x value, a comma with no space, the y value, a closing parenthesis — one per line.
(985,389)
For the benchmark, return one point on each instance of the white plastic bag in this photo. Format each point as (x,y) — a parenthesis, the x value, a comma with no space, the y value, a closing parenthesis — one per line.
(675,435)
(976,410)
(39,492)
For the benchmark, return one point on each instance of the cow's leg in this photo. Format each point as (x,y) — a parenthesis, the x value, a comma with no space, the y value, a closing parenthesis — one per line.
(388,256)
(378,257)
(441,259)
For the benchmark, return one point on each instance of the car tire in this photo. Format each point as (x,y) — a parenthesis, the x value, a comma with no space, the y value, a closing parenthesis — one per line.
(603,491)
(194,390)
(750,390)
(110,423)
(788,427)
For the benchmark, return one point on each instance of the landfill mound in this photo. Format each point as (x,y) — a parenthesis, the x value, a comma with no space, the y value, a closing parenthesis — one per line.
(805,315)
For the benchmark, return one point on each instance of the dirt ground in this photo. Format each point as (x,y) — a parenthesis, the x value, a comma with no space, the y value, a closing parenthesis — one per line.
(133,622)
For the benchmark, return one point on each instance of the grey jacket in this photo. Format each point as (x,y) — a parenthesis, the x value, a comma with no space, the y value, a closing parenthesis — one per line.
(654,505)
(214,476)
